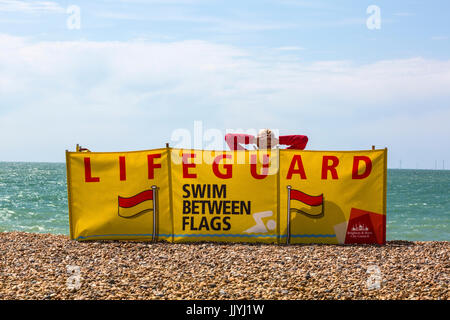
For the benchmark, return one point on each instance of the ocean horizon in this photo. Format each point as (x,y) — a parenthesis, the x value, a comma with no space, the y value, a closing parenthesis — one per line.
(33,198)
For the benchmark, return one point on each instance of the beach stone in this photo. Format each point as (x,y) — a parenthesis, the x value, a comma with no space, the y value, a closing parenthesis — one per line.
(36,268)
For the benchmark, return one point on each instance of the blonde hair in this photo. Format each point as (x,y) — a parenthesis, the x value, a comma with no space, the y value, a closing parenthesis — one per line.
(264,135)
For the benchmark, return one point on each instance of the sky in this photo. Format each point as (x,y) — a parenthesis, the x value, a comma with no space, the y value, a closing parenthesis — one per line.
(116,75)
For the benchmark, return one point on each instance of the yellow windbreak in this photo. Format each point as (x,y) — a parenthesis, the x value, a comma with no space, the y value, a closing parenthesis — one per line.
(96,181)
(225,196)
(229,196)
(331,175)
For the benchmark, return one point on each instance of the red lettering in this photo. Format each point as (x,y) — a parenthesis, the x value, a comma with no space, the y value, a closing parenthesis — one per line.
(265,166)
(329,167)
(228,167)
(123,169)
(368,167)
(187,165)
(87,171)
(296,160)
(152,165)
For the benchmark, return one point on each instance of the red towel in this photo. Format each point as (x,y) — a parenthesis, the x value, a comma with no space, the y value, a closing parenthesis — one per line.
(234,141)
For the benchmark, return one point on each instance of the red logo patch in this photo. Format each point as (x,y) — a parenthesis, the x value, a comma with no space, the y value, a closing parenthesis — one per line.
(366,227)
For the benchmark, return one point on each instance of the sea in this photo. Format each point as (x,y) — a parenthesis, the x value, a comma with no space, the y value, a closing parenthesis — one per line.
(33,198)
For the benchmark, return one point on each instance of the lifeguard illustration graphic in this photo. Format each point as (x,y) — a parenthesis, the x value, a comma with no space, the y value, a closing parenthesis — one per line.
(260,226)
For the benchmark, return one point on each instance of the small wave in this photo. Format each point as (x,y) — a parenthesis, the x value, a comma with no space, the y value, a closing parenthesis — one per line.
(34,228)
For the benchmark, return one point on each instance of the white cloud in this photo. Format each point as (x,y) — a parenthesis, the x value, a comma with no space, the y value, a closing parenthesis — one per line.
(209,23)
(305,4)
(404,14)
(30,6)
(439,38)
(164,2)
(131,95)
(290,48)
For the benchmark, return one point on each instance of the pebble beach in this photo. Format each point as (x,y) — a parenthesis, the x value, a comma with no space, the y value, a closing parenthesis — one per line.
(47,266)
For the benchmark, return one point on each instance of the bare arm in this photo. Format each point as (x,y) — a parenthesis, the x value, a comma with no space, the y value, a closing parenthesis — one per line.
(234,140)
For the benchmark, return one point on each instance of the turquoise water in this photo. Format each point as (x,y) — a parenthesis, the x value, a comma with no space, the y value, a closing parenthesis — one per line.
(418,205)
(33,198)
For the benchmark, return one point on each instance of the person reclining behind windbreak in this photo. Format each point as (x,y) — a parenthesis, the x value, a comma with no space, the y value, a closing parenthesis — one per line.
(265,140)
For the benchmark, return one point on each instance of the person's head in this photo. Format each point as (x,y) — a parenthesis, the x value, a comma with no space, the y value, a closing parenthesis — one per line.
(266,139)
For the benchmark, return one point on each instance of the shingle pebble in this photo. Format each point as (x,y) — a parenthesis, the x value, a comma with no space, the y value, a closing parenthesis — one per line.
(45,266)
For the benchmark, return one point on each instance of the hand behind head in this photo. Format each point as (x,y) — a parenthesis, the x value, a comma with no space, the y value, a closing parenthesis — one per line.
(266,139)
